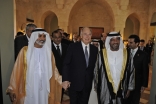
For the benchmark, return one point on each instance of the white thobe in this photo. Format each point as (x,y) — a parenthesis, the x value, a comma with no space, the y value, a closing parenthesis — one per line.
(39,95)
(115,60)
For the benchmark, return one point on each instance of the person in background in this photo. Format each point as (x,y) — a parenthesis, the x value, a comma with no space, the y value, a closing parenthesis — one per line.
(22,41)
(65,41)
(96,43)
(79,38)
(59,50)
(19,34)
(102,40)
(142,45)
(75,38)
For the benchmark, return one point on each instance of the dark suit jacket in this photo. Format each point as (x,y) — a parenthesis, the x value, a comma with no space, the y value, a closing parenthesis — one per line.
(58,59)
(67,42)
(144,49)
(75,69)
(140,61)
(101,44)
(19,43)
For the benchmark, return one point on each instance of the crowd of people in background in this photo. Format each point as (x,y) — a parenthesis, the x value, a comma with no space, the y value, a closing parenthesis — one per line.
(90,71)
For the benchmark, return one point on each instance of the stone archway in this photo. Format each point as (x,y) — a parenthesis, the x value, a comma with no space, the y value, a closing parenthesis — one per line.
(132,26)
(91,13)
(49,21)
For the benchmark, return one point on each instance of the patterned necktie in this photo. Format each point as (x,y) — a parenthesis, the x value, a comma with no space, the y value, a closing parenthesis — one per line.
(86,55)
(132,52)
(58,50)
(131,57)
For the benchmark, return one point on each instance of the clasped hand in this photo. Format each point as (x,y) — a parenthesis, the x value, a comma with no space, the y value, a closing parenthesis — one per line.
(65,85)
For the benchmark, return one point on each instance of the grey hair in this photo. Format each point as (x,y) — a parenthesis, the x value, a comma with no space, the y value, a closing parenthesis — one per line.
(85,28)
(30,25)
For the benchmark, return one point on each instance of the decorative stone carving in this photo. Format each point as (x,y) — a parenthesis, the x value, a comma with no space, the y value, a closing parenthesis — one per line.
(60,4)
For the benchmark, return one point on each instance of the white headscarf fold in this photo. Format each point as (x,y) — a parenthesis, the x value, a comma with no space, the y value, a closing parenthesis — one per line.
(47,65)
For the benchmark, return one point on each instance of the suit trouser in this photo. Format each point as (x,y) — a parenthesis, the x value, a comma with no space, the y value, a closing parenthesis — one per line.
(79,97)
(134,97)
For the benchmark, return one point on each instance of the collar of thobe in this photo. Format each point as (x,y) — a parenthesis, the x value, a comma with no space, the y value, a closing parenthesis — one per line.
(110,78)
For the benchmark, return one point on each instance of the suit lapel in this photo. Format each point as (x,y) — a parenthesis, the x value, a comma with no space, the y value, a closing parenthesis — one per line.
(55,51)
(136,54)
(26,39)
(53,47)
(62,50)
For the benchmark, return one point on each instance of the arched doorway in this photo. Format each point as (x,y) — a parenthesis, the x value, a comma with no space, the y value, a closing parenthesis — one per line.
(91,13)
(132,26)
(50,21)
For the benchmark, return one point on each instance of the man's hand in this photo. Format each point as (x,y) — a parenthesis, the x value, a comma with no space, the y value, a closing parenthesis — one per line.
(128,93)
(12,96)
(66,84)
(142,89)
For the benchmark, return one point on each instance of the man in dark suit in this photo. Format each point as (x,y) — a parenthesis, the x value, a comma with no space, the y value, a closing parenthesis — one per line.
(102,40)
(78,67)
(75,38)
(59,50)
(64,39)
(141,45)
(140,62)
(22,41)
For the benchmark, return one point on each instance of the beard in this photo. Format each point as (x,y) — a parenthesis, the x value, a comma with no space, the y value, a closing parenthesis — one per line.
(114,46)
(40,42)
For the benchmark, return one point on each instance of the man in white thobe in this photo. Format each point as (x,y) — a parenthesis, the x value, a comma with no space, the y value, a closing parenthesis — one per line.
(35,78)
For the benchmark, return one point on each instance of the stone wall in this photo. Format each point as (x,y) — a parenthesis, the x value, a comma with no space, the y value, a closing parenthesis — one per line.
(72,14)
(91,15)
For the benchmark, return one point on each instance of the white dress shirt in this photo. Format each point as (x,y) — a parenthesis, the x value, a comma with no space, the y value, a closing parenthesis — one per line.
(133,51)
(88,48)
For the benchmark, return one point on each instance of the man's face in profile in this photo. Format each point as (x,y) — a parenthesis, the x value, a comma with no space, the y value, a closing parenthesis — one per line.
(132,44)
